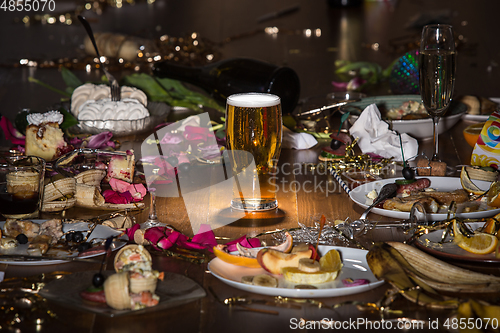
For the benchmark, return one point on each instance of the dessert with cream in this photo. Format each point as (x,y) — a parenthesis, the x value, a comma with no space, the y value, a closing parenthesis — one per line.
(105,109)
(44,138)
(94,92)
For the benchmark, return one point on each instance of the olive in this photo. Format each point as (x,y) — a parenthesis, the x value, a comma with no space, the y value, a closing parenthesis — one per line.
(98,280)
(173,160)
(335,144)
(408,173)
(77,236)
(22,239)
(69,237)
(84,246)
(184,168)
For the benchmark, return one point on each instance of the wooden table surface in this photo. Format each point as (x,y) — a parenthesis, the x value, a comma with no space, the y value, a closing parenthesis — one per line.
(346,34)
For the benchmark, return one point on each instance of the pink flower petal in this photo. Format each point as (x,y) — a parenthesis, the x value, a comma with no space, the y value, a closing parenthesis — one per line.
(11,133)
(118,185)
(131,231)
(243,240)
(352,283)
(99,141)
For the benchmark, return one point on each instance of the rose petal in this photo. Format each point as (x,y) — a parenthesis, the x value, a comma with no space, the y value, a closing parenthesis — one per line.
(243,240)
(11,133)
(118,185)
(131,231)
(99,141)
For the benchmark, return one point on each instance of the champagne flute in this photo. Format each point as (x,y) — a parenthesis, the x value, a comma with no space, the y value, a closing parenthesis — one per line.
(152,220)
(437,73)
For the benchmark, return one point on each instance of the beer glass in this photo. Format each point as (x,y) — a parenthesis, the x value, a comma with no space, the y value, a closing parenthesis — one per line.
(253,138)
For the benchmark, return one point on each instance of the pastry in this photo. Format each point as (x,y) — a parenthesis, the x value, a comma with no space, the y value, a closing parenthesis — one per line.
(44,138)
(90,91)
(121,167)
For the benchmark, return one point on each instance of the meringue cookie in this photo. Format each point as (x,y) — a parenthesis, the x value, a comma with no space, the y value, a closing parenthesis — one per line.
(105,109)
(90,91)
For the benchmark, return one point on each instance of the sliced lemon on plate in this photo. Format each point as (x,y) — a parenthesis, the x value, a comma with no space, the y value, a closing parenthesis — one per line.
(479,243)
(331,261)
(493,195)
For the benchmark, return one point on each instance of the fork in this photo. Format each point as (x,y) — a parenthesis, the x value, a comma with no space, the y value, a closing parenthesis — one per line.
(113,83)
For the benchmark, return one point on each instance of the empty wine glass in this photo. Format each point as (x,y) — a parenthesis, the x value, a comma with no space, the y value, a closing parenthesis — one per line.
(437,73)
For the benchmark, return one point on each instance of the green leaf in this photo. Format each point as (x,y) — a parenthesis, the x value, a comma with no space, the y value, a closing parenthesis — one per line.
(69,119)
(71,80)
(342,120)
(21,122)
(64,93)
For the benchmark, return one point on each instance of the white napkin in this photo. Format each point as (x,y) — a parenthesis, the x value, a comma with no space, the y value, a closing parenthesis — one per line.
(297,140)
(376,137)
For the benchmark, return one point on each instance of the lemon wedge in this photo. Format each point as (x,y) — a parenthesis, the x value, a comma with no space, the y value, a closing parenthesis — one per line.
(479,243)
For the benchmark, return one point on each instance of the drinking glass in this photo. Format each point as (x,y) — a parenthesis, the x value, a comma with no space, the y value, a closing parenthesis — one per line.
(437,58)
(21,186)
(253,137)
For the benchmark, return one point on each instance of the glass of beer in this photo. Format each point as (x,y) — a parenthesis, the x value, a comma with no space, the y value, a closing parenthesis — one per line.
(253,138)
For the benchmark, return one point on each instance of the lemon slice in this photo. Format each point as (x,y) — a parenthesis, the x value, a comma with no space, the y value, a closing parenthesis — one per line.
(467,183)
(479,243)
(331,261)
(493,195)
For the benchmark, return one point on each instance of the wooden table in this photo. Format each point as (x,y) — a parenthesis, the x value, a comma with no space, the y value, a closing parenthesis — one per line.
(346,34)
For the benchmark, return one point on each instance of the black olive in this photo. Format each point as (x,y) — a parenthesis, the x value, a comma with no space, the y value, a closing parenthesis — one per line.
(173,160)
(184,168)
(335,144)
(84,246)
(69,237)
(77,236)
(98,280)
(408,173)
(22,239)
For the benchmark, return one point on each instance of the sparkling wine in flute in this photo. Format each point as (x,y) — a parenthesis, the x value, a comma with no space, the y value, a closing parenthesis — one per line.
(253,135)
(437,78)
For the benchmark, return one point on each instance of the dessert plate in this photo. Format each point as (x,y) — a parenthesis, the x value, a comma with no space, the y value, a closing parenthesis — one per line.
(359,196)
(355,267)
(174,290)
(430,243)
(99,232)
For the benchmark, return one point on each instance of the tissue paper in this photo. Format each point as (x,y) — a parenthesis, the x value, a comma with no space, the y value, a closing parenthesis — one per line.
(375,136)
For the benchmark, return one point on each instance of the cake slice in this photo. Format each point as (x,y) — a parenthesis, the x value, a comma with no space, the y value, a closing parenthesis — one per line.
(121,167)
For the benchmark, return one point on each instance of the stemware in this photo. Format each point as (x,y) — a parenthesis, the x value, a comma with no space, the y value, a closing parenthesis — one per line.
(152,220)
(437,73)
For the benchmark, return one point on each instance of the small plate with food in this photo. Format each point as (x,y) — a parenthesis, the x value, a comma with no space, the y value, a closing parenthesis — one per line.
(434,244)
(435,193)
(297,278)
(49,242)
(406,114)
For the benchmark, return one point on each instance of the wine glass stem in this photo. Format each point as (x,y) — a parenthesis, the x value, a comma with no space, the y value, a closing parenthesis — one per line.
(435,122)
(152,207)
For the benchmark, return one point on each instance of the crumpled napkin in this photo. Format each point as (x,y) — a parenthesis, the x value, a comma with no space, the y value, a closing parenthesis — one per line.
(376,137)
(297,140)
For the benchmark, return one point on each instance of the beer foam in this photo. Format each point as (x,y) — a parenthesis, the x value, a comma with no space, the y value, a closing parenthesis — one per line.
(253,100)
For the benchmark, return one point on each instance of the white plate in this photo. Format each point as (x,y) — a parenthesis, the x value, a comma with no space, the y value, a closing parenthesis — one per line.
(448,250)
(358,195)
(355,267)
(100,232)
